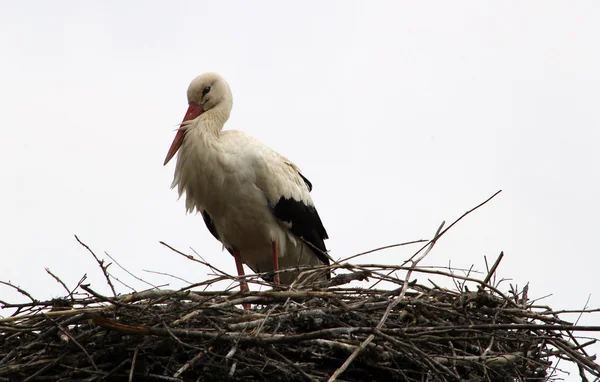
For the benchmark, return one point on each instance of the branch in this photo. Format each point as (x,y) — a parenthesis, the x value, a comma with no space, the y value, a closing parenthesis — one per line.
(101,264)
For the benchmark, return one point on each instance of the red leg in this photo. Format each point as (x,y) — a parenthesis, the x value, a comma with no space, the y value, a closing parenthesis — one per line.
(276,263)
(240,271)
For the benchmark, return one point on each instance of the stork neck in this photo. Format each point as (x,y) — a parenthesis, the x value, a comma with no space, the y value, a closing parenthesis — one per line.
(214,120)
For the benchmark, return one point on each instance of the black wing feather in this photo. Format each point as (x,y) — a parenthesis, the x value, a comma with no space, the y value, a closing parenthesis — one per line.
(305,222)
(210,225)
(308,183)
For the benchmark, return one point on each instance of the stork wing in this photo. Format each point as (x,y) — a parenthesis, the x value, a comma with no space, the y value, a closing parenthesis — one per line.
(288,193)
(211,228)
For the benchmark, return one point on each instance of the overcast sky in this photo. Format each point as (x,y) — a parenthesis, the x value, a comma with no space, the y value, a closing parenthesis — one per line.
(402,114)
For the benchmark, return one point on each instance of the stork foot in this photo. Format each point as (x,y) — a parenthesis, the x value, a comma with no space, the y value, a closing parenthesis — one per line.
(240,270)
(244,288)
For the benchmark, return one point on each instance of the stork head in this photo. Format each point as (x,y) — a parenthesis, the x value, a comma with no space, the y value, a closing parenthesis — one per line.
(208,93)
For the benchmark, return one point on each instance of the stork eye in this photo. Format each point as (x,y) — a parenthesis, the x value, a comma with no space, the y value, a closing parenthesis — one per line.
(206,90)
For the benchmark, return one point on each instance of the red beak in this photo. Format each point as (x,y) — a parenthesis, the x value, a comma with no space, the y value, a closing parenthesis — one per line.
(192,112)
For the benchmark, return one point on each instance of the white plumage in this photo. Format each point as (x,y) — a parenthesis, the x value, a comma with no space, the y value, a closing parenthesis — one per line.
(249,195)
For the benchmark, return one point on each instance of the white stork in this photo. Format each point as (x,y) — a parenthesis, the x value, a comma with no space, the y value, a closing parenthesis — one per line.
(253,200)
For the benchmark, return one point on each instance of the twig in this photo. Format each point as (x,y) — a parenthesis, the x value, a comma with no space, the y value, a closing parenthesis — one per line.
(493,269)
(41,371)
(114,370)
(101,264)
(112,300)
(66,333)
(566,347)
(69,293)
(190,257)
(168,275)
(293,365)
(81,280)
(454,223)
(392,304)
(189,363)
(129,273)
(135,354)
(575,323)
(123,283)
(22,291)
(70,312)
(381,249)
(469,211)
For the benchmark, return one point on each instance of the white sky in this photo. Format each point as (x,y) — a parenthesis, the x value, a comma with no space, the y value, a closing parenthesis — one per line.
(402,114)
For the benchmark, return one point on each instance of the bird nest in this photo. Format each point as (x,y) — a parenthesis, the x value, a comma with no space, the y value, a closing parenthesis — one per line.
(330,331)
(368,322)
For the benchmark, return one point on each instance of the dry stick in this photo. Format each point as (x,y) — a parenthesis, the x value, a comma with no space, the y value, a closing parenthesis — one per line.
(557,312)
(228,357)
(293,365)
(165,293)
(114,370)
(81,280)
(66,333)
(232,370)
(135,354)
(425,270)
(43,369)
(129,273)
(23,292)
(206,264)
(168,275)
(454,223)
(431,361)
(317,250)
(183,344)
(69,293)
(454,355)
(101,264)
(524,294)
(122,283)
(429,329)
(566,347)
(189,363)
(570,334)
(112,300)
(70,312)
(444,231)
(541,298)
(579,318)
(224,275)
(197,254)
(190,257)
(495,360)
(493,270)
(381,249)
(159,377)
(392,304)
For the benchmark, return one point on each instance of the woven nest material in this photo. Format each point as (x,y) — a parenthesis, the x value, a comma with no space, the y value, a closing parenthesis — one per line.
(367,323)
(411,333)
